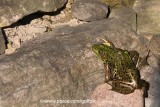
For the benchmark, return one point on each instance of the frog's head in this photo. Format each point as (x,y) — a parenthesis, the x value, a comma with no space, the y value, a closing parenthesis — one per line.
(101,51)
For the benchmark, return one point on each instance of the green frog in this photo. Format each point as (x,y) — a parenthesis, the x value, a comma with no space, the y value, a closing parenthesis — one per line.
(121,71)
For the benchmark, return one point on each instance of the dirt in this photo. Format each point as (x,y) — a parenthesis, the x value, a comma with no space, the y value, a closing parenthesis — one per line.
(20,34)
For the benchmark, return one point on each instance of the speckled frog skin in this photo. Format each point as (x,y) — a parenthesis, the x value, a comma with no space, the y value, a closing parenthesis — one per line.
(121,71)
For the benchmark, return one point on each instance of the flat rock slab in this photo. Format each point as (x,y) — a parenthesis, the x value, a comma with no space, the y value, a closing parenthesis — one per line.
(13,10)
(155,45)
(147,16)
(105,97)
(60,65)
(126,14)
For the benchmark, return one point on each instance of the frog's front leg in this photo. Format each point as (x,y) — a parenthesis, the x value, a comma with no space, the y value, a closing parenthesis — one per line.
(134,56)
(122,87)
(107,72)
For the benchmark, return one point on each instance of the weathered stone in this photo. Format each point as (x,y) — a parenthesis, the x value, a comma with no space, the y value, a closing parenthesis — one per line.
(105,97)
(151,73)
(148,15)
(116,31)
(89,10)
(117,3)
(155,45)
(13,10)
(153,61)
(126,14)
(61,65)
(2,43)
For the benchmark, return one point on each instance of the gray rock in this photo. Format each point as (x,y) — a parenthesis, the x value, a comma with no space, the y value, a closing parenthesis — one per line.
(118,3)
(58,65)
(116,31)
(148,15)
(155,45)
(153,61)
(2,43)
(89,10)
(115,3)
(152,74)
(13,10)
(103,96)
(126,14)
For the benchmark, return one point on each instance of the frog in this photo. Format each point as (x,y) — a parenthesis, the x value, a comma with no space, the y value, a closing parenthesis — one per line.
(121,70)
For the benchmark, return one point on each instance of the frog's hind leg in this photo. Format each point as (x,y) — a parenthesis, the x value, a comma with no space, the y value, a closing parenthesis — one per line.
(122,88)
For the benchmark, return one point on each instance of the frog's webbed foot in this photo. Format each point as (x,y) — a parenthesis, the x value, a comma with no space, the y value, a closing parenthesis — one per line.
(144,85)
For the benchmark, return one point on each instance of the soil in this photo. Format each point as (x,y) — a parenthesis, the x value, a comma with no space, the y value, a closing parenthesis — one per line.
(22,33)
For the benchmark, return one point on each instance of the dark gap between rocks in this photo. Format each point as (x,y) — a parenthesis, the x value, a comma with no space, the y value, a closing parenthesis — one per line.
(27,19)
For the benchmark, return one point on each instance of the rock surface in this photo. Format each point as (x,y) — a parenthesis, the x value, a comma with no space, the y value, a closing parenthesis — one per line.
(148,16)
(61,65)
(2,43)
(104,97)
(151,73)
(155,45)
(13,10)
(126,14)
(86,11)
(19,34)
(117,3)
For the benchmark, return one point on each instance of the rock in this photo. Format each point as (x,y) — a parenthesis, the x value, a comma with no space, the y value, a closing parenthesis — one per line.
(86,11)
(2,43)
(13,10)
(148,16)
(116,31)
(152,74)
(126,14)
(117,3)
(155,45)
(60,65)
(105,97)
(153,61)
